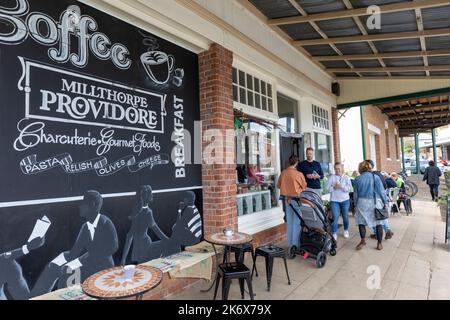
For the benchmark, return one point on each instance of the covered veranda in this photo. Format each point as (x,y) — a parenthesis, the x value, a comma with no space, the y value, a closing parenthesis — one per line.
(413,114)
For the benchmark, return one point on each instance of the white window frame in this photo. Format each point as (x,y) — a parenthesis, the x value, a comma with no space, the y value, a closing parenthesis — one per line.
(326,120)
(239,105)
(263,220)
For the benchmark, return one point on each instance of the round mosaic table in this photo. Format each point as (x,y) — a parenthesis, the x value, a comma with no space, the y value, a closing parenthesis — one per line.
(112,284)
(238,238)
(221,239)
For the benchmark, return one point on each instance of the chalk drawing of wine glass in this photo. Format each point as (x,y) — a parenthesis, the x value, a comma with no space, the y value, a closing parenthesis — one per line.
(158,65)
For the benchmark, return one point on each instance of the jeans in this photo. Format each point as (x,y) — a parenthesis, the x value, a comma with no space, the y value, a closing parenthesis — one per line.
(293,224)
(337,208)
(434,190)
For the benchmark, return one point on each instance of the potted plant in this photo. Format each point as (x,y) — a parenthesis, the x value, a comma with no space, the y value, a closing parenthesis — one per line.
(443,205)
(447,179)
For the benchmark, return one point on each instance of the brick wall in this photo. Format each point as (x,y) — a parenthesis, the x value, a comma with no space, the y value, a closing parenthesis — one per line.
(216,112)
(336,140)
(374,116)
(219,180)
(274,235)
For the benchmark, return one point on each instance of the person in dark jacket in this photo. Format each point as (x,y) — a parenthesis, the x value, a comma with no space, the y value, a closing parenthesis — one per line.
(390,182)
(312,170)
(378,173)
(431,176)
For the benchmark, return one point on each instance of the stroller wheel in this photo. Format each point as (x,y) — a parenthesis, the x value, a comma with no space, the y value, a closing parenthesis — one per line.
(292,252)
(333,252)
(321,259)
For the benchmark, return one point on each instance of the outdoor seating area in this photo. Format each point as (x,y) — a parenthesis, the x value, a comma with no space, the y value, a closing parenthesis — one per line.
(414,266)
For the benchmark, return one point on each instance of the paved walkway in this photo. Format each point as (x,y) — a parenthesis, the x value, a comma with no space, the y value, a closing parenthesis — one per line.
(413,265)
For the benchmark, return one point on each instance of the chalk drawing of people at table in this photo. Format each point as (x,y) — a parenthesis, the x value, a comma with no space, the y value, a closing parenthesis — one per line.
(186,231)
(12,283)
(141,221)
(92,251)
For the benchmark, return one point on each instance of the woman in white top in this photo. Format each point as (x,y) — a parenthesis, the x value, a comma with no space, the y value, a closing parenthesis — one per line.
(339,187)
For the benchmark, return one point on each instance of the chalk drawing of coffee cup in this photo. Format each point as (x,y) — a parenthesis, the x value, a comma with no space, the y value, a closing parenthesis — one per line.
(158,65)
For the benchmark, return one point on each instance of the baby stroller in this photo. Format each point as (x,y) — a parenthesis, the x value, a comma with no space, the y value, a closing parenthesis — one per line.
(316,239)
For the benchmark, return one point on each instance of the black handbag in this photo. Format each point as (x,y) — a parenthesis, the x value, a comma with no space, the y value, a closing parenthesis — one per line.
(383,213)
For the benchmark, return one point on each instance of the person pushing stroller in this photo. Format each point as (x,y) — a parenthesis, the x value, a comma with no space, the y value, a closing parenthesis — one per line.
(291,184)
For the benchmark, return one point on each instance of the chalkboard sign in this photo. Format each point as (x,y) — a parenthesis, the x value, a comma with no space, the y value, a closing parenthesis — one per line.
(93,120)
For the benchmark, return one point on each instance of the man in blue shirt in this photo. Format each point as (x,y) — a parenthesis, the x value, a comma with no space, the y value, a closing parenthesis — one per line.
(312,170)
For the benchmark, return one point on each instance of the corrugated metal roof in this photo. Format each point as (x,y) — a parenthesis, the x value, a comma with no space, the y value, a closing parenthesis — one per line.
(300,31)
(367,3)
(273,9)
(434,18)
(322,50)
(398,45)
(349,74)
(394,22)
(403,20)
(339,27)
(354,48)
(366,63)
(318,6)
(335,64)
(435,61)
(405,62)
(438,43)
(373,74)
(440,73)
(409,74)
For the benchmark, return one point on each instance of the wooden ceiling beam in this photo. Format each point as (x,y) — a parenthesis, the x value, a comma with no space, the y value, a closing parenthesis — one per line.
(396,7)
(388,55)
(392,69)
(428,125)
(375,37)
(421,116)
(417,107)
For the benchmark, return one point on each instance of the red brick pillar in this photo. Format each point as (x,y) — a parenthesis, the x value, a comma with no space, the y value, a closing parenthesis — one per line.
(216,113)
(336,139)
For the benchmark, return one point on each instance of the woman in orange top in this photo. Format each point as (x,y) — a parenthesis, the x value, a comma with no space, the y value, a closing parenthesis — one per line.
(291,183)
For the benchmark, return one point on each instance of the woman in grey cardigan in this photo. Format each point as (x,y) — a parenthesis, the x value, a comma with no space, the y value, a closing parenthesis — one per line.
(366,186)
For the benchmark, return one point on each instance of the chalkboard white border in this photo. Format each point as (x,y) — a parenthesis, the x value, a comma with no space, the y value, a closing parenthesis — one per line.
(78,198)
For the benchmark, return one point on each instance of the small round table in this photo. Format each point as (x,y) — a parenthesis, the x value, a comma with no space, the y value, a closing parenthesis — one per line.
(238,238)
(111,283)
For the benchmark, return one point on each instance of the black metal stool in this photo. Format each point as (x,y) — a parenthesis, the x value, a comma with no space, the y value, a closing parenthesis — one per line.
(270,252)
(240,251)
(230,271)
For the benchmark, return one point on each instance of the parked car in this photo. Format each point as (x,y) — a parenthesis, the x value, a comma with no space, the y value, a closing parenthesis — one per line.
(411,165)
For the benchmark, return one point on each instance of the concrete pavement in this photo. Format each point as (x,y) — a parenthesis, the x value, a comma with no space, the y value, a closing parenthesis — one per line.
(414,264)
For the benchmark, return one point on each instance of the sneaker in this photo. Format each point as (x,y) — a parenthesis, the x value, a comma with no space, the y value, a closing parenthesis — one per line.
(335,236)
(346,235)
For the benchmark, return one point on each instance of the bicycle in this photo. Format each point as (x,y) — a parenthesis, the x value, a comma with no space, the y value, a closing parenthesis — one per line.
(411,188)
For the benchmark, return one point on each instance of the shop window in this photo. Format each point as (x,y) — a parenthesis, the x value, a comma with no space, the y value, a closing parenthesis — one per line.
(321,118)
(388,147)
(251,91)
(256,169)
(287,113)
